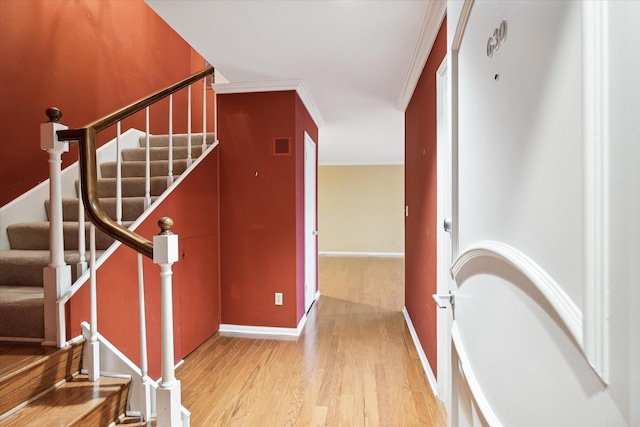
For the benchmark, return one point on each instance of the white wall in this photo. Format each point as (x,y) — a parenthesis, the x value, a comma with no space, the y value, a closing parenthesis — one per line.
(560,195)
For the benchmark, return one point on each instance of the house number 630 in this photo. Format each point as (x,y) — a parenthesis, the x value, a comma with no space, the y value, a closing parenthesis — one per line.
(499,36)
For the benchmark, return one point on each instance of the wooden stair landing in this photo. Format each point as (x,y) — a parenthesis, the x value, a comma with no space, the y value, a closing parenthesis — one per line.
(57,395)
(77,402)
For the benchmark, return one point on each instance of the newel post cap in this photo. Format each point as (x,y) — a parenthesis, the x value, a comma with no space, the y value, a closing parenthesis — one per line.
(165,244)
(48,136)
(54,114)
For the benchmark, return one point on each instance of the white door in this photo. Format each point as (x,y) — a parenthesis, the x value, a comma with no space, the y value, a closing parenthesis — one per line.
(310,223)
(444,282)
(533,333)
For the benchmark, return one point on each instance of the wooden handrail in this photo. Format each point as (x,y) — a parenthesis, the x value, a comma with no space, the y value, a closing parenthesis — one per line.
(86,139)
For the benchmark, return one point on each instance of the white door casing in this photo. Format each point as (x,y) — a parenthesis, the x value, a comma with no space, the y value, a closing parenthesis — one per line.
(310,222)
(444,282)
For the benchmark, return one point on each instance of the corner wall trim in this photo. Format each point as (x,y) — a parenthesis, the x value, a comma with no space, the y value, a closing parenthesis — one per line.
(362,254)
(267,331)
(300,86)
(423,357)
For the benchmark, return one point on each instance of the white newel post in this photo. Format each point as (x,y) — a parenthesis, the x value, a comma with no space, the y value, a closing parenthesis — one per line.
(168,400)
(57,275)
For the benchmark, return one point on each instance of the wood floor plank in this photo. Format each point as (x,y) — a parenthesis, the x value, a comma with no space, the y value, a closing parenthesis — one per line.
(354,364)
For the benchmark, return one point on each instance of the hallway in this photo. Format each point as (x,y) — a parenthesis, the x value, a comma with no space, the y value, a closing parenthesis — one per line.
(354,364)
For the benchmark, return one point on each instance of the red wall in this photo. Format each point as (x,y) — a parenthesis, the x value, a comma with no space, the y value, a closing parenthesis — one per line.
(261,197)
(421,197)
(88,58)
(194,207)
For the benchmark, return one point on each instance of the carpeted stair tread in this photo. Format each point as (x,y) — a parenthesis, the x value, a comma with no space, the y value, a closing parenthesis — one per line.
(179,140)
(24,267)
(21,267)
(77,402)
(161,153)
(138,168)
(132,208)
(35,235)
(22,311)
(131,186)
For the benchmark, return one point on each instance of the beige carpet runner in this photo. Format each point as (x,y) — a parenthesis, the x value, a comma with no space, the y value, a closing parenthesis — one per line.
(21,287)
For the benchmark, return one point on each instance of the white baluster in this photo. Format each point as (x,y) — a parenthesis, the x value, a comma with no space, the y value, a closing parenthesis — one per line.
(145,397)
(189,160)
(204,117)
(170,175)
(118,176)
(82,246)
(93,347)
(57,275)
(215,112)
(147,172)
(165,253)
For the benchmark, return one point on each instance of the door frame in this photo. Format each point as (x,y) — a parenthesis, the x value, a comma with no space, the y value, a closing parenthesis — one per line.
(310,222)
(453,420)
(444,282)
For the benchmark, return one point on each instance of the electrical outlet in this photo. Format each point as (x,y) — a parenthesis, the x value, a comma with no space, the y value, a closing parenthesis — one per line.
(278,298)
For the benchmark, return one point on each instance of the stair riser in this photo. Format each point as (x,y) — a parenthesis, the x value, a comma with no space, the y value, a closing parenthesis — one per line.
(22,312)
(36,237)
(132,208)
(134,187)
(179,140)
(161,153)
(26,270)
(133,169)
(108,411)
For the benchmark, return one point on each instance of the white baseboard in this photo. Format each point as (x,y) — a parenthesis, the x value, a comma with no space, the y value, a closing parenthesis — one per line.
(423,357)
(362,254)
(265,330)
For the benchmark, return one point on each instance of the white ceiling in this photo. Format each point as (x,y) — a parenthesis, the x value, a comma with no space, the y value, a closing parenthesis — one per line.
(358,60)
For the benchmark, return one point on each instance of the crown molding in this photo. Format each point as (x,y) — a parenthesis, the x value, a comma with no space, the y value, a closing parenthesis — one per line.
(299,86)
(434,15)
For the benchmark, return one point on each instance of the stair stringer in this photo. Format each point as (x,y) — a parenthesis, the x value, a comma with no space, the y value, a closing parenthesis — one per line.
(142,393)
(29,207)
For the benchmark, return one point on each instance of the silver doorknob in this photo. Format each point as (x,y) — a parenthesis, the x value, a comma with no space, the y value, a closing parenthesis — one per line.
(441,300)
(314,232)
(448,225)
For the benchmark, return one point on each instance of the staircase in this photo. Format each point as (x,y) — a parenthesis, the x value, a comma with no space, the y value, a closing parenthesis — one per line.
(21,282)
(44,386)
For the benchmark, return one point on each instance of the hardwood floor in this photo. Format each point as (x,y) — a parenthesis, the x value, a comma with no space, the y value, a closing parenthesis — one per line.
(354,365)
